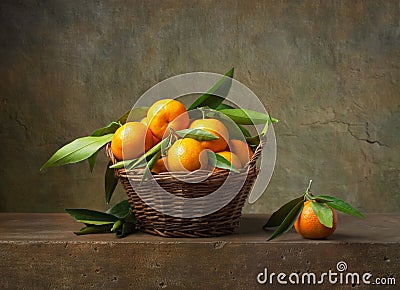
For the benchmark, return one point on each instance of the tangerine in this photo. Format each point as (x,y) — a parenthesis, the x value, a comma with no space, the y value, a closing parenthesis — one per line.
(160,166)
(242,150)
(215,127)
(164,114)
(145,121)
(131,140)
(186,154)
(232,158)
(310,227)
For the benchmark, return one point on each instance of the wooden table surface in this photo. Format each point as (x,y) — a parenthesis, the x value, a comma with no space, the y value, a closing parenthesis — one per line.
(41,251)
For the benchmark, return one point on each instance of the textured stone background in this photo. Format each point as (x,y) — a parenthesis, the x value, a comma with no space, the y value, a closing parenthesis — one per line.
(328,69)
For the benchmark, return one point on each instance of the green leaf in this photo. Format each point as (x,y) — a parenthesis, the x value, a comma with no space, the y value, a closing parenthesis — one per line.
(219,161)
(273,120)
(278,216)
(120,210)
(245,132)
(339,205)
(91,217)
(118,219)
(97,223)
(136,114)
(223,106)
(323,213)
(77,150)
(113,126)
(127,228)
(197,134)
(94,229)
(265,129)
(149,166)
(123,164)
(138,163)
(130,218)
(245,117)
(110,182)
(253,140)
(216,94)
(289,221)
(92,160)
(117,225)
(109,129)
(235,130)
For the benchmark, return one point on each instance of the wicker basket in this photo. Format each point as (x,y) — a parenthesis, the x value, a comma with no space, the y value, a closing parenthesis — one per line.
(221,222)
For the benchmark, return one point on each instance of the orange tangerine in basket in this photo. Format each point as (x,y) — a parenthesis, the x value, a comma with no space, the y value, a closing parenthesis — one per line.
(186,154)
(145,121)
(242,150)
(215,127)
(160,165)
(131,140)
(232,158)
(164,114)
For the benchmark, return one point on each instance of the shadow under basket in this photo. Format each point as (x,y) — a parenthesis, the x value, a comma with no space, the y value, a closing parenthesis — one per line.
(222,221)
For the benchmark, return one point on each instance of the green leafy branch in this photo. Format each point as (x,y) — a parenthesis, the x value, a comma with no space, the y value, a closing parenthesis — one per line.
(216,94)
(88,147)
(118,219)
(285,217)
(214,98)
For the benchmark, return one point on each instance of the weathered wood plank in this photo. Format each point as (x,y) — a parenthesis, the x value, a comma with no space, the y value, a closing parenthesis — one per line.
(40,251)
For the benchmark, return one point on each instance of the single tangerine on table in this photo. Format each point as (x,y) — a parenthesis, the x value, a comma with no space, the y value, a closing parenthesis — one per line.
(162,114)
(310,227)
(215,127)
(131,140)
(242,150)
(186,154)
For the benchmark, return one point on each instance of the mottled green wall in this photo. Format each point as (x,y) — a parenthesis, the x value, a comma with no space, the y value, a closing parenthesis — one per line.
(328,69)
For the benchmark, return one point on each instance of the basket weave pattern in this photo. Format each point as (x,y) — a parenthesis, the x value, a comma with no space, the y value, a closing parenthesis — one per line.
(221,222)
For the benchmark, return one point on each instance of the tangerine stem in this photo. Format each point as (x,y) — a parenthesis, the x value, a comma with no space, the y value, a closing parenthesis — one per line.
(172,133)
(307,194)
(309,186)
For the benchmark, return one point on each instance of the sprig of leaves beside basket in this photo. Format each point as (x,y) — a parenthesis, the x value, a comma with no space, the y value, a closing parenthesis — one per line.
(120,218)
